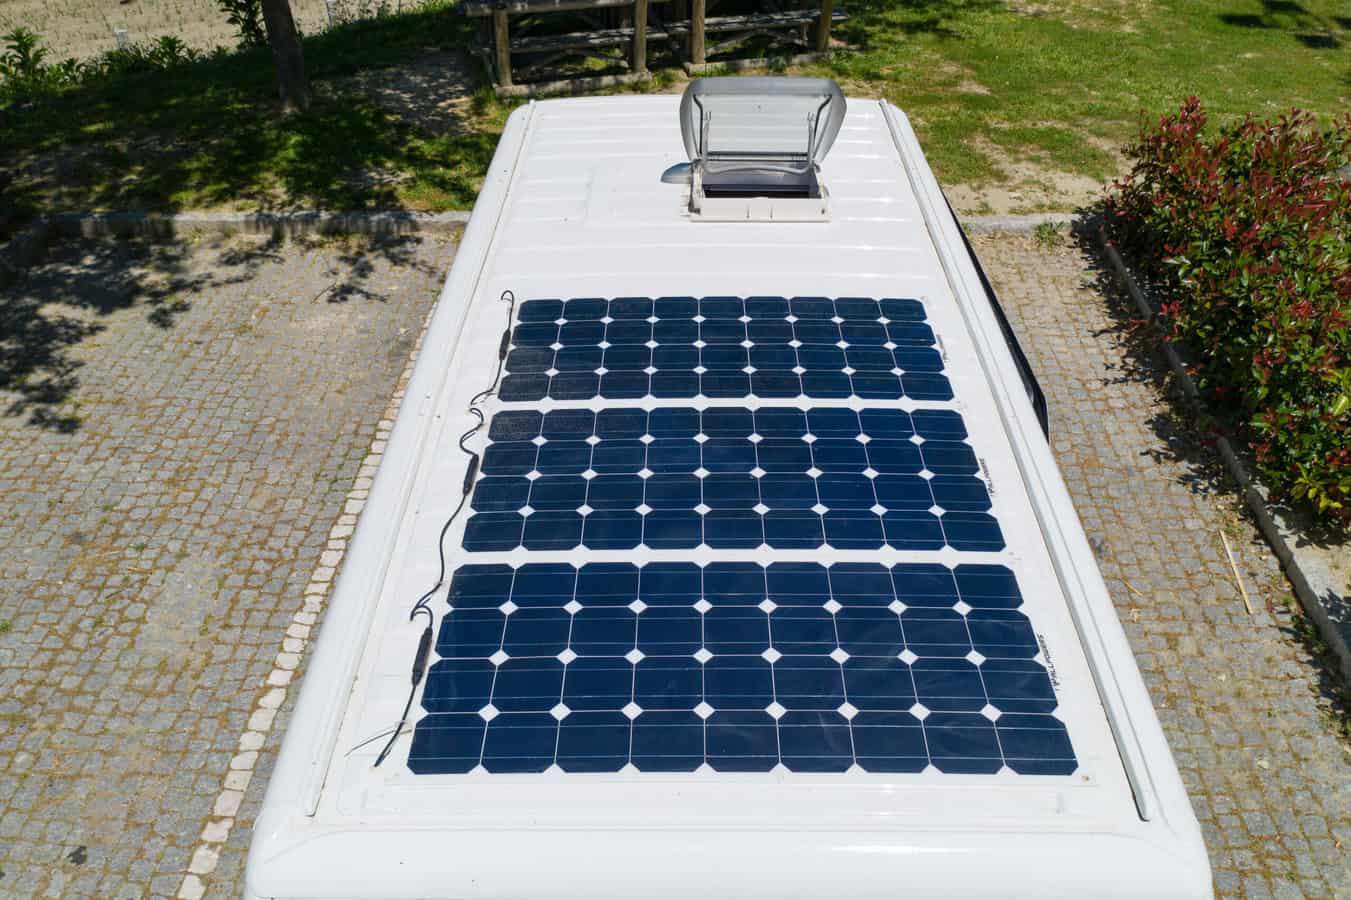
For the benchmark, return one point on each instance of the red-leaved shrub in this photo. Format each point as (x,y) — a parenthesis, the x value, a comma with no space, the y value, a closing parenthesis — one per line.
(1247,232)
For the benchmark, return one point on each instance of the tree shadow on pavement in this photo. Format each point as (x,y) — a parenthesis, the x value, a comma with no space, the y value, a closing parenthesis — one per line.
(356,260)
(69,297)
(1186,433)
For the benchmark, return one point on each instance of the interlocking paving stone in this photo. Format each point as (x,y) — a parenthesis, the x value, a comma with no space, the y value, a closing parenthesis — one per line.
(1240,698)
(192,419)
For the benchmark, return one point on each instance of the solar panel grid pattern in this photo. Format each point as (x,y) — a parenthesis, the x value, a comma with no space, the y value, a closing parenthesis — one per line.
(733,666)
(723,347)
(812,667)
(676,478)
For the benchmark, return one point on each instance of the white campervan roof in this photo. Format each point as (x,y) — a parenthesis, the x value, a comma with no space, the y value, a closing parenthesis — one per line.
(765,583)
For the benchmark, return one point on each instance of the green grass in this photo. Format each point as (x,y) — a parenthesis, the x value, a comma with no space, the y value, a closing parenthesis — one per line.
(209,135)
(999,93)
(1060,85)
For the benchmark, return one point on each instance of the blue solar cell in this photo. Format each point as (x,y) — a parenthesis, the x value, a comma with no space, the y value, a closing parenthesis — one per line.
(668,666)
(742,742)
(593,742)
(459,685)
(1035,745)
(879,684)
(676,478)
(999,632)
(963,744)
(633,347)
(520,742)
(447,744)
(889,742)
(815,742)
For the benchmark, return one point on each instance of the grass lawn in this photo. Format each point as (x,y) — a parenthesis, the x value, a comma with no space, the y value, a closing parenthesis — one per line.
(1017,100)
(1032,90)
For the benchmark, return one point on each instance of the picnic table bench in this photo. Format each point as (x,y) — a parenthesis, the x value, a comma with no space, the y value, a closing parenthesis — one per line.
(688,23)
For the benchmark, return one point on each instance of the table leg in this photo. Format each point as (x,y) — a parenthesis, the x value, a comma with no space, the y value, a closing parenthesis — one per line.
(502,44)
(823,26)
(639,37)
(697,32)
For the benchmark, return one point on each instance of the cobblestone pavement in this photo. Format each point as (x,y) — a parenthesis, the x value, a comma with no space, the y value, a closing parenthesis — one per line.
(1246,708)
(184,423)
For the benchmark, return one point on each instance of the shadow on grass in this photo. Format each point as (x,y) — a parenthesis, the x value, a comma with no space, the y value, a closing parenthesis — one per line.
(209,133)
(1308,28)
(886,18)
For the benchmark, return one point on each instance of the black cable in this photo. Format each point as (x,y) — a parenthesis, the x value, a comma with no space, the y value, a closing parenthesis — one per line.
(502,349)
(421,607)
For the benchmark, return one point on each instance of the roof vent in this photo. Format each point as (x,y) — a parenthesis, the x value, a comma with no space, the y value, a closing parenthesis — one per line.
(756,145)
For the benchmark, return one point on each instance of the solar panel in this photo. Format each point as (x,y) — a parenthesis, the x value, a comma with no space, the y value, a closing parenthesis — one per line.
(668,667)
(723,347)
(675,478)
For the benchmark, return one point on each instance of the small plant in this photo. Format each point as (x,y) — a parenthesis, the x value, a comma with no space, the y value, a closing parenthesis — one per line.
(24,71)
(24,55)
(1047,235)
(5,626)
(25,74)
(1245,231)
(247,18)
(165,53)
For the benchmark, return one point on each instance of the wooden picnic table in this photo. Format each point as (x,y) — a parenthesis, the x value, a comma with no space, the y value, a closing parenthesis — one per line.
(689,23)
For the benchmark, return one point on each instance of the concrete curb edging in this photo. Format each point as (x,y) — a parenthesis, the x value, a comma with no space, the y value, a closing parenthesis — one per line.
(1015,224)
(285,224)
(22,250)
(1314,586)
(291,654)
(26,246)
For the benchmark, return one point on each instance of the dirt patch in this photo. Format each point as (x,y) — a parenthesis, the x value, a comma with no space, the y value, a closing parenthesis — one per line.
(1025,187)
(1118,15)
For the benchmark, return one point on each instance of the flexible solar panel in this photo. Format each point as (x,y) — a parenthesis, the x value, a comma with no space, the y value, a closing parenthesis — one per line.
(677,478)
(736,666)
(740,667)
(724,347)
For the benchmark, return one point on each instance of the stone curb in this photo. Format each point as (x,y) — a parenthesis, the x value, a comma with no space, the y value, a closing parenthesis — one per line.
(1315,587)
(1016,224)
(22,250)
(287,224)
(25,246)
(291,654)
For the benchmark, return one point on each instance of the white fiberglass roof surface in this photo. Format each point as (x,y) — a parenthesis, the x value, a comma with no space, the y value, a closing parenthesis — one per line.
(645,513)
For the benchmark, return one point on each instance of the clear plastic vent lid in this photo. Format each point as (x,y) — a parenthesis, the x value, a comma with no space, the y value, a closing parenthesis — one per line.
(745,125)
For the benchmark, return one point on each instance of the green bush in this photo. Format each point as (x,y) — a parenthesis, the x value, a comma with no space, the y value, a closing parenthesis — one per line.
(1247,231)
(247,18)
(24,69)
(25,74)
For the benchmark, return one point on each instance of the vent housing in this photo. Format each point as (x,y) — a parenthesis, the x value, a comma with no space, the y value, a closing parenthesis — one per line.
(756,145)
